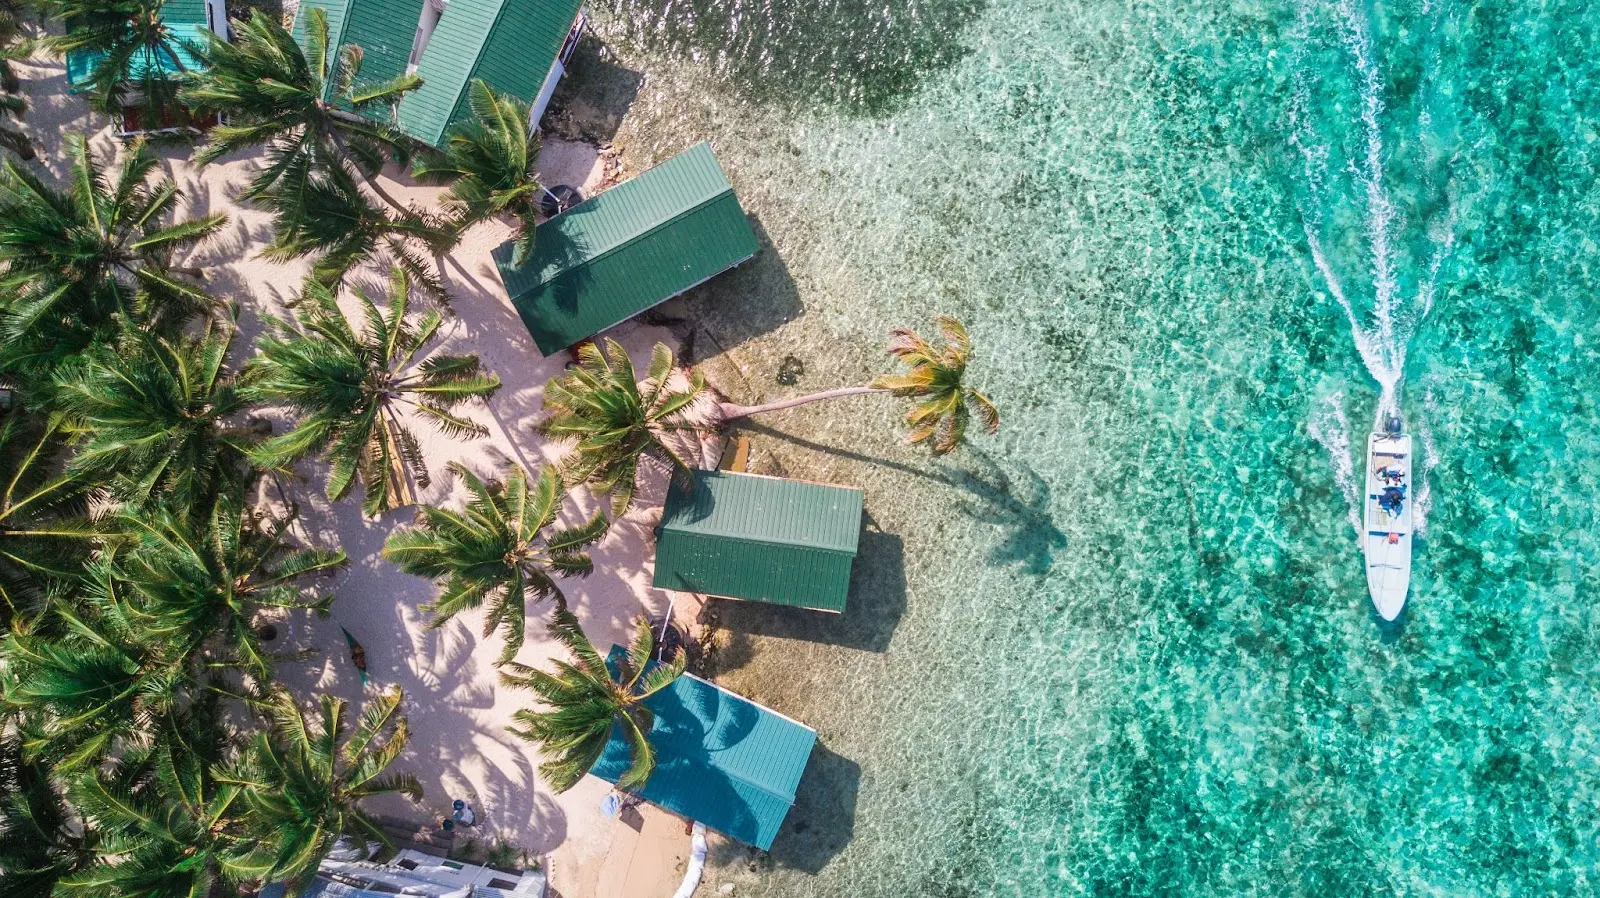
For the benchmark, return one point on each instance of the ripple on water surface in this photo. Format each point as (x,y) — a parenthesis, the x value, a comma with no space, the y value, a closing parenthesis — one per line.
(1126,648)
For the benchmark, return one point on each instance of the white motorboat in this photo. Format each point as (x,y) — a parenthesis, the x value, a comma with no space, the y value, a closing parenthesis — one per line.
(1386,534)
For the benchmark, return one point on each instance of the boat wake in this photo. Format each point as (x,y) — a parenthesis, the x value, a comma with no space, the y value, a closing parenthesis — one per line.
(1331,429)
(1387,283)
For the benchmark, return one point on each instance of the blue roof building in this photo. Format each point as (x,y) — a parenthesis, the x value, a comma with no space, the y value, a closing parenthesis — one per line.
(721,759)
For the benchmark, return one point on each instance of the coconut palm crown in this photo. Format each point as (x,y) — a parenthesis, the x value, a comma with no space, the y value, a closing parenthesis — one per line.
(152,416)
(303,106)
(194,576)
(488,161)
(73,259)
(585,700)
(131,44)
(304,782)
(936,379)
(351,390)
(502,550)
(614,419)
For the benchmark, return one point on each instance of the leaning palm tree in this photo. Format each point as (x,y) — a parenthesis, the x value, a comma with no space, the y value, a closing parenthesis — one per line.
(152,415)
(936,379)
(351,390)
(503,549)
(73,259)
(328,219)
(130,43)
(44,534)
(488,161)
(307,108)
(188,575)
(586,700)
(615,419)
(304,783)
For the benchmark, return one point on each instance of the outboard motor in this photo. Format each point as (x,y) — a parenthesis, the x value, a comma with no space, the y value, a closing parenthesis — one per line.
(1392,426)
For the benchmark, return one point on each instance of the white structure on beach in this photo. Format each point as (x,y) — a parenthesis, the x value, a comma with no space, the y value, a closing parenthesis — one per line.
(412,872)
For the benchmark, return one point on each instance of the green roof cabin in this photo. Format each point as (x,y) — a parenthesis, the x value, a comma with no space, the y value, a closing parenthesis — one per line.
(766,539)
(518,47)
(628,249)
(721,759)
(189,22)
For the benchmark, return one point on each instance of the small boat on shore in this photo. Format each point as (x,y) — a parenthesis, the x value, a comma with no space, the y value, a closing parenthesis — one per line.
(1386,534)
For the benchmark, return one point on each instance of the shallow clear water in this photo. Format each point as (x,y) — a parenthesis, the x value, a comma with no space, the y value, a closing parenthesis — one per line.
(1126,647)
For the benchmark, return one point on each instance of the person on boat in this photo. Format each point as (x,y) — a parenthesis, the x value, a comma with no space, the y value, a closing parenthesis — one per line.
(1392,499)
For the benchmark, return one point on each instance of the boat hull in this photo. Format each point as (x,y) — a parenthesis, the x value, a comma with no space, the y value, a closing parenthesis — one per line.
(1386,531)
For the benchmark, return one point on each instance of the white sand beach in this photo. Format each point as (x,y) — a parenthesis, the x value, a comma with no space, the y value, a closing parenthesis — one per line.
(456,707)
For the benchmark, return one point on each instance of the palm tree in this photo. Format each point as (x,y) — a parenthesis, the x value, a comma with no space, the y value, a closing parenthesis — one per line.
(586,701)
(39,843)
(305,782)
(615,419)
(488,161)
(131,45)
(44,537)
(500,550)
(71,260)
(328,218)
(936,379)
(351,389)
(304,107)
(191,577)
(151,414)
(164,823)
(82,683)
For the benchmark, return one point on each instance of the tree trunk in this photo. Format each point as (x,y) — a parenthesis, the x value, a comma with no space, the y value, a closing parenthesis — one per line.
(730,411)
(371,182)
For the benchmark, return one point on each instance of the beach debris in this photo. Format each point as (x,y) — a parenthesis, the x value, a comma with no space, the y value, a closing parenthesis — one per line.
(790,370)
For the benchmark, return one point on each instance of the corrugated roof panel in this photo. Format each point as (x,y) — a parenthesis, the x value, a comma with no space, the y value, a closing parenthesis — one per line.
(187,37)
(628,249)
(721,759)
(510,44)
(798,576)
(383,29)
(760,538)
(767,509)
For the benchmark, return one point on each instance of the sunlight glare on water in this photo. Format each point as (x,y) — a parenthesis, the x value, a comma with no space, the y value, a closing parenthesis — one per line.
(1125,648)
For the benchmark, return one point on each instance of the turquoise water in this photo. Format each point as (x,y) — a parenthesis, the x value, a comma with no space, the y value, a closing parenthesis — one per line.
(1125,648)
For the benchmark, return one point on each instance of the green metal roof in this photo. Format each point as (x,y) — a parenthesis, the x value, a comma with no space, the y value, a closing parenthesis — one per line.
(383,29)
(721,759)
(745,536)
(510,44)
(628,249)
(187,37)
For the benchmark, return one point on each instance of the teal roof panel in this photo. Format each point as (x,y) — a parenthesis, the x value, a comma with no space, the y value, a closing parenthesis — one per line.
(187,39)
(765,539)
(628,249)
(509,44)
(384,30)
(721,759)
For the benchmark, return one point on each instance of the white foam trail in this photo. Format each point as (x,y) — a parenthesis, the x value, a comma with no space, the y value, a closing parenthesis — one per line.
(1382,334)
(1331,429)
